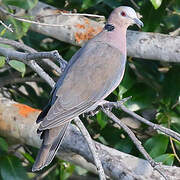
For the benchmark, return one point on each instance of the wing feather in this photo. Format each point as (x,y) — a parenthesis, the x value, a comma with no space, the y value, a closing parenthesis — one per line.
(92,74)
(60,120)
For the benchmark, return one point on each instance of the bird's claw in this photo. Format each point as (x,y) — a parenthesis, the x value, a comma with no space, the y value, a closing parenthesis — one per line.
(92,112)
(105,105)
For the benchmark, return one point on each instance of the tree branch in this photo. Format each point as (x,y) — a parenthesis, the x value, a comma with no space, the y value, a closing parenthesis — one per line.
(22,46)
(7,27)
(27,59)
(166,131)
(24,57)
(137,143)
(54,55)
(15,120)
(77,30)
(6,81)
(91,147)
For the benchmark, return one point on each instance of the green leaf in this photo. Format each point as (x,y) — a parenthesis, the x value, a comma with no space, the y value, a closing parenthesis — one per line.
(3,145)
(3,32)
(25,4)
(176,127)
(11,168)
(101,119)
(142,97)
(21,28)
(127,82)
(166,159)
(156,145)
(177,144)
(2,61)
(66,170)
(28,157)
(89,3)
(19,66)
(171,87)
(112,3)
(124,145)
(156,3)
(162,118)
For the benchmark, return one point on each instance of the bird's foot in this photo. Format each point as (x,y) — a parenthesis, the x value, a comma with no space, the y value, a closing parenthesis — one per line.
(103,104)
(93,110)
(109,105)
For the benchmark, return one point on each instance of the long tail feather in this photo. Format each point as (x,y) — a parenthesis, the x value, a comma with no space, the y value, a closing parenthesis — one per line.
(52,139)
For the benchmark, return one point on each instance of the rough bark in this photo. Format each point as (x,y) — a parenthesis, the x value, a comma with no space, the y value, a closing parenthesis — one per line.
(78,29)
(17,121)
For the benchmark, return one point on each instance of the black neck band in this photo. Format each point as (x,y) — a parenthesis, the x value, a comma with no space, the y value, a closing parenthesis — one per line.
(109,27)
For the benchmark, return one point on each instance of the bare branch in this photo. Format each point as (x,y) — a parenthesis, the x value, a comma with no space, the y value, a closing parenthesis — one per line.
(135,5)
(17,45)
(91,147)
(45,24)
(55,55)
(175,33)
(117,165)
(24,47)
(27,59)
(144,45)
(24,57)
(7,81)
(137,143)
(166,131)
(7,27)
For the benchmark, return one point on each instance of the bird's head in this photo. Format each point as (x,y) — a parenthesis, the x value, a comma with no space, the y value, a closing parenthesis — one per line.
(124,16)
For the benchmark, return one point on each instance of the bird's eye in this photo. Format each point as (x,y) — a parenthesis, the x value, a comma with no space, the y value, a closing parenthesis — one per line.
(123,13)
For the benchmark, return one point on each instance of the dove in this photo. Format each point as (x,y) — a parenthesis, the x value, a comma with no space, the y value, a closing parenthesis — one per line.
(92,73)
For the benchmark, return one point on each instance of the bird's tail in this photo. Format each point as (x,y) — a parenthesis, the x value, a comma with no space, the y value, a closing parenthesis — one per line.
(52,139)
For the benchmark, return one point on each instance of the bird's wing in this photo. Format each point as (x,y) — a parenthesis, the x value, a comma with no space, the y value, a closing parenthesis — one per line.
(92,75)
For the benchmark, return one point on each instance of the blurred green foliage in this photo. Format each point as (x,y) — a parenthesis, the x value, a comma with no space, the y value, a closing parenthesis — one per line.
(153,85)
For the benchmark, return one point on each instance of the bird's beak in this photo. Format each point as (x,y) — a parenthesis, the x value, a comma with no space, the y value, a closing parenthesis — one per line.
(138,22)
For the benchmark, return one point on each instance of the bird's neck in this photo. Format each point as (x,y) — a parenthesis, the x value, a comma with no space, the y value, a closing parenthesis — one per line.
(117,38)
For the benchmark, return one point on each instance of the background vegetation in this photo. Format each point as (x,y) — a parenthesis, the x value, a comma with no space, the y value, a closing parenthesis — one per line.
(153,85)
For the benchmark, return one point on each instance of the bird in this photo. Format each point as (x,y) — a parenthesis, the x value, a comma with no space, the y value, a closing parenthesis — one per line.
(92,73)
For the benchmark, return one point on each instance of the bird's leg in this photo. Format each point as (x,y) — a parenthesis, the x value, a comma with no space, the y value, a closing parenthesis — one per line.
(93,110)
(109,105)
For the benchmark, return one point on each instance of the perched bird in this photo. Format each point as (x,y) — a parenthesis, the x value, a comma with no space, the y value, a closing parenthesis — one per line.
(91,75)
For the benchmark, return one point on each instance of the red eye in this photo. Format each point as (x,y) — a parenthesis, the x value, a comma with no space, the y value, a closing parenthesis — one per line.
(123,13)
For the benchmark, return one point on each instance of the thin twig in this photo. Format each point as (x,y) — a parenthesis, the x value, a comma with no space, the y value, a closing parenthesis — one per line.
(44,174)
(135,5)
(17,45)
(135,140)
(27,59)
(155,126)
(175,32)
(7,27)
(55,55)
(91,147)
(27,20)
(46,24)
(73,14)
(174,150)
(166,131)
(6,81)
(38,23)
(171,142)
(24,47)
